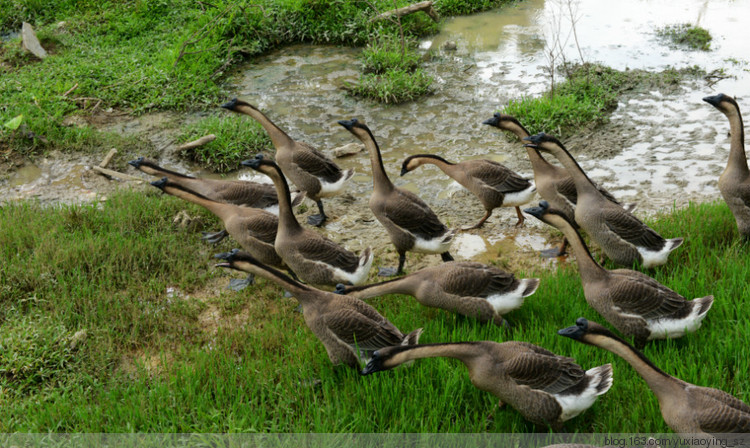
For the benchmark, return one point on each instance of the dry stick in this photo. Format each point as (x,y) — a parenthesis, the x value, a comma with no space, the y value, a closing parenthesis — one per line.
(70,90)
(108,157)
(196,143)
(116,174)
(400,12)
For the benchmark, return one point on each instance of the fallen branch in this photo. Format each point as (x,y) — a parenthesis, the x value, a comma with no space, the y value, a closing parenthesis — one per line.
(108,157)
(116,174)
(196,143)
(426,7)
(70,90)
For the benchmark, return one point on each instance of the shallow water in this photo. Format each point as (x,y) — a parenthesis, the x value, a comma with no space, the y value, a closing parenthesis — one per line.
(660,149)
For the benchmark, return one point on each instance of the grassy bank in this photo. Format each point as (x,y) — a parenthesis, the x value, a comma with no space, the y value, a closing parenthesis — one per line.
(159,55)
(112,319)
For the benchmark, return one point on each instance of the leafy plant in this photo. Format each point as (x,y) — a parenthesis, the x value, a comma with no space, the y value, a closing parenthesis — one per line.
(687,35)
(393,86)
(236,140)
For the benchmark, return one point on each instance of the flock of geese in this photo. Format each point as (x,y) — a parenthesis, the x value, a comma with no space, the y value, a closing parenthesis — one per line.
(546,388)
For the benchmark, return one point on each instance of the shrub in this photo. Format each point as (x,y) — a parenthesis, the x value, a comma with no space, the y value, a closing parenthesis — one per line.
(686,35)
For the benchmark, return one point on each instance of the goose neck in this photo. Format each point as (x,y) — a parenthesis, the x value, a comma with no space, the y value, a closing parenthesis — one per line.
(379,176)
(737,157)
(278,137)
(581,180)
(403,285)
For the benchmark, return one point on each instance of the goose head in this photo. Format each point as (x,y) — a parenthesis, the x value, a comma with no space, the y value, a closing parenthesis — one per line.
(503,121)
(724,103)
(543,142)
(358,128)
(161,183)
(137,162)
(340,289)
(234,104)
(587,332)
(382,359)
(549,215)
(235,259)
(261,164)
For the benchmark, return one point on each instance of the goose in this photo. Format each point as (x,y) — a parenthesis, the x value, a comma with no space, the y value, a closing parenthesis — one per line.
(237,192)
(494,184)
(313,257)
(252,228)
(410,223)
(734,182)
(631,301)
(349,328)
(553,183)
(547,389)
(623,237)
(309,169)
(463,287)
(686,408)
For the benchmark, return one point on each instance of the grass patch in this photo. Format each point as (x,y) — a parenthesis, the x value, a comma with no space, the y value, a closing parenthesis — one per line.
(393,86)
(151,363)
(687,35)
(237,139)
(587,96)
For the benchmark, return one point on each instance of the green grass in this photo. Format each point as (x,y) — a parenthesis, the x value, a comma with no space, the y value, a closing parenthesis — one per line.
(687,35)
(586,97)
(237,138)
(127,55)
(227,362)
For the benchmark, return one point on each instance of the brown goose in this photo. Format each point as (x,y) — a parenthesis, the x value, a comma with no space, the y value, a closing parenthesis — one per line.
(313,257)
(237,192)
(309,169)
(349,328)
(631,301)
(623,237)
(734,182)
(547,389)
(411,224)
(553,183)
(494,184)
(686,408)
(252,228)
(468,288)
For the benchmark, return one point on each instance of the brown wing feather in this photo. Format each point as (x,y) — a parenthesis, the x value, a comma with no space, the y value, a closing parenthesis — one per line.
(639,294)
(408,211)
(316,163)
(497,176)
(353,327)
(718,411)
(550,374)
(475,279)
(328,252)
(632,230)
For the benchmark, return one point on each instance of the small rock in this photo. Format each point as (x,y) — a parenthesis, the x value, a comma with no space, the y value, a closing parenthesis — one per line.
(78,338)
(31,43)
(450,46)
(348,150)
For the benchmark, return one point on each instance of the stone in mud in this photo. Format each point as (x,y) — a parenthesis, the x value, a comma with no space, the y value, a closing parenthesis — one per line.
(31,43)
(348,150)
(450,46)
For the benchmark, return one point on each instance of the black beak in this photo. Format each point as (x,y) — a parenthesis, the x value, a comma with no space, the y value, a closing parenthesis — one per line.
(404,171)
(340,289)
(576,331)
(714,100)
(494,121)
(369,368)
(136,163)
(539,211)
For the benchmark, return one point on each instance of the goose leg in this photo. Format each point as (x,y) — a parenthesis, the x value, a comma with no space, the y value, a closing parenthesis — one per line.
(238,284)
(480,223)
(446,256)
(555,252)
(390,272)
(214,238)
(521,219)
(320,218)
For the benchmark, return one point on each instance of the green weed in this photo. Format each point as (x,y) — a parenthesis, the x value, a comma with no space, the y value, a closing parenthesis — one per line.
(393,86)
(237,139)
(687,35)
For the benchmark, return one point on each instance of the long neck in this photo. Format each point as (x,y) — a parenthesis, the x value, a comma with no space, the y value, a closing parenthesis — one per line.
(380,179)
(403,285)
(587,265)
(439,162)
(659,382)
(538,163)
(278,137)
(463,351)
(737,157)
(287,221)
(222,210)
(582,181)
(301,292)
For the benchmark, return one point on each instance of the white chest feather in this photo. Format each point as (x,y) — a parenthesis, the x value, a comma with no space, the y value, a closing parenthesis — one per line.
(519,198)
